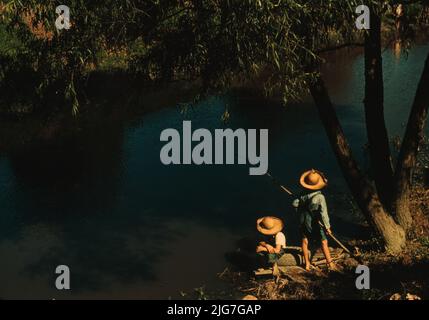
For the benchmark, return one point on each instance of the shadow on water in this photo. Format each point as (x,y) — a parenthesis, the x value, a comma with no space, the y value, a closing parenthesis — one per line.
(69,192)
(85,203)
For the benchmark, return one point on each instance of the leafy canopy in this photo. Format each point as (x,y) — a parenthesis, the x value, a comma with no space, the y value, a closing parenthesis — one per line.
(217,41)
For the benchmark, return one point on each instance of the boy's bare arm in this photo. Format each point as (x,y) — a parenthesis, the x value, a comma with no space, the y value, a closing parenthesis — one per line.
(277,249)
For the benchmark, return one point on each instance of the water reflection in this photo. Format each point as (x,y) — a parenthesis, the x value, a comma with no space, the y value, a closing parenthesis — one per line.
(397,49)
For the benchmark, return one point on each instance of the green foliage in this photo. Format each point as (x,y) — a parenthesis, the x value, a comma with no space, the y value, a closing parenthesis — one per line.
(216,41)
(221,41)
(9,43)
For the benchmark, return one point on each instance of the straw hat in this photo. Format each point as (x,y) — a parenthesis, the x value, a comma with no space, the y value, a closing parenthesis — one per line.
(313,180)
(269,225)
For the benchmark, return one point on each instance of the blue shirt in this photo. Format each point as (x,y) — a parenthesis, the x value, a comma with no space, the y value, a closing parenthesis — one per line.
(316,204)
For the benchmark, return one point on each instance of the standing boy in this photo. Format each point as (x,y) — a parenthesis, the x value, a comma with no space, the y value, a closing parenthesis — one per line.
(314,218)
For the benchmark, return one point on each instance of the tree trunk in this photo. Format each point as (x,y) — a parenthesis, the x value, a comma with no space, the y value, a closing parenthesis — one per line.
(362,190)
(379,149)
(414,135)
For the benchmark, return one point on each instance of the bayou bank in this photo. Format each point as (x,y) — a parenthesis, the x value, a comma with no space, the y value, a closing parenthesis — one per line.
(82,183)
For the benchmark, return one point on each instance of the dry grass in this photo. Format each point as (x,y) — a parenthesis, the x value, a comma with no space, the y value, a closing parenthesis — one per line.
(37,28)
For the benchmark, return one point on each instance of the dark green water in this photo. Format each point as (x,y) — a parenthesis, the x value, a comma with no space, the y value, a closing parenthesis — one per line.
(130,227)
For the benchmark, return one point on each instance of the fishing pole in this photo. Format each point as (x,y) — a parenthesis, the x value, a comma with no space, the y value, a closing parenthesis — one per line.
(329,233)
(279,184)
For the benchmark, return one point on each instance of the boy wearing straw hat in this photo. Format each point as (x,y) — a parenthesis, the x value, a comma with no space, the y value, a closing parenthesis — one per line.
(271,226)
(314,218)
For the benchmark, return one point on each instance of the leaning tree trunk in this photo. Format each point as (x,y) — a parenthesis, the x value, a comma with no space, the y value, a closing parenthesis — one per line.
(379,149)
(414,135)
(362,190)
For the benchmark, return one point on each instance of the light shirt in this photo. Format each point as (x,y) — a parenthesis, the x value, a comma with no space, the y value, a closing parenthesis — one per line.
(280,240)
(316,203)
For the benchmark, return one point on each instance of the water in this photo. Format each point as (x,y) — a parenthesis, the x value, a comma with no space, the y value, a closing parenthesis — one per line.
(128,227)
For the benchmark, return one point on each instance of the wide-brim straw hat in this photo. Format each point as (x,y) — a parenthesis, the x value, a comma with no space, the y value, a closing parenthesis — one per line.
(269,225)
(313,180)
